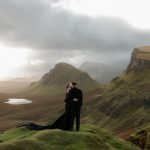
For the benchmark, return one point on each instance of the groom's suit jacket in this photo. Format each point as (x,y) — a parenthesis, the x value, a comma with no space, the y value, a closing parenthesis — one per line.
(74,97)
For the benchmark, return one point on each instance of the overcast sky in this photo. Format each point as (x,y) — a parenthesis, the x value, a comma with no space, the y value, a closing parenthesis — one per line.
(36,34)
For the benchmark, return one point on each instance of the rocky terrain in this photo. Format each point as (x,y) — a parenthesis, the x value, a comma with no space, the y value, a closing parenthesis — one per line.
(140,59)
(124,105)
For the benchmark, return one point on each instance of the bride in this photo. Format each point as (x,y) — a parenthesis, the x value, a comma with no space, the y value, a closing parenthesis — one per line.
(63,122)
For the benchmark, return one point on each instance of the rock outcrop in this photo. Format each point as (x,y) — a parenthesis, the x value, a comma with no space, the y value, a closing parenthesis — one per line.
(140,59)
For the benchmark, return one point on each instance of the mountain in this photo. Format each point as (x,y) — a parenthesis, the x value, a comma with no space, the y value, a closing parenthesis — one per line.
(89,138)
(100,72)
(54,82)
(124,105)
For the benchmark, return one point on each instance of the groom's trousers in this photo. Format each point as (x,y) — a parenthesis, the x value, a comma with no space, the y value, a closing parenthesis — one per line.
(75,115)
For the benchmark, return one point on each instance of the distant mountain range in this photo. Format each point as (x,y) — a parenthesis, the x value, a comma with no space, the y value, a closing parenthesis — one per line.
(55,82)
(125,103)
(14,85)
(100,72)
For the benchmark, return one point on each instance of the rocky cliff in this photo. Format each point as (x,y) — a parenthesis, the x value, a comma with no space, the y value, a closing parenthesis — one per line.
(125,103)
(140,59)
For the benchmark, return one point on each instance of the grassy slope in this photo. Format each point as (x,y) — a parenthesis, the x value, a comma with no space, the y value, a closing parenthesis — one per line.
(142,137)
(89,138)
(55,89)
(54,82)
(125,103)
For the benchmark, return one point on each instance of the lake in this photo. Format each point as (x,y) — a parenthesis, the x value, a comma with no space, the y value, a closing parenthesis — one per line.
(18,101)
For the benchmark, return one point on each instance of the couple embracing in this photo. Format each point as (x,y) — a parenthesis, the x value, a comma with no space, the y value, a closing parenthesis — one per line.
(73,104)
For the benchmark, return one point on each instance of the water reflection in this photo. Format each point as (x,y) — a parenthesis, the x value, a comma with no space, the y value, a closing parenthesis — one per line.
(18,101)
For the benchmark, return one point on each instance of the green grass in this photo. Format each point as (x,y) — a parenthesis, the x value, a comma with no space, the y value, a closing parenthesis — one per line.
(89,138)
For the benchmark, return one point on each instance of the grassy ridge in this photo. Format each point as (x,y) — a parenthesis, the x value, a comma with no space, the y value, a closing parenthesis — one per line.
(125,103)
(89,138)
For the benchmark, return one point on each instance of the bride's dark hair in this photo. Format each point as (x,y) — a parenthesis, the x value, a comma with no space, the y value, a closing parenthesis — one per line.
(67,86)
(74,83)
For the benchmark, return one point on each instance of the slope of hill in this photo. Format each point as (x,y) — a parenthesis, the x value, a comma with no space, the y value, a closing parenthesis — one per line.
(100,72)
(3,96)
(54,82)
(89,138)
(141,138)
(125,103)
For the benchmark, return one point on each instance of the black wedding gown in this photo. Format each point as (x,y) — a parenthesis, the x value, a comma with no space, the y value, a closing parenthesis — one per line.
(63,122)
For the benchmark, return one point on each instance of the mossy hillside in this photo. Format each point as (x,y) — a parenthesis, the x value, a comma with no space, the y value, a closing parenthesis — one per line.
(124,104)
(89,138)
(136,82)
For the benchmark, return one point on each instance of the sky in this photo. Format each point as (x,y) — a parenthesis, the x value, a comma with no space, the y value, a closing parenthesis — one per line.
(36,34)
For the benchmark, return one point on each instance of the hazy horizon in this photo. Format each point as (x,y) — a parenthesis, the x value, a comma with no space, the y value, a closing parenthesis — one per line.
(35,35)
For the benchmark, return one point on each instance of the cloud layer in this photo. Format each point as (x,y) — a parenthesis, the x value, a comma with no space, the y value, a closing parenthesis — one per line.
(54,33)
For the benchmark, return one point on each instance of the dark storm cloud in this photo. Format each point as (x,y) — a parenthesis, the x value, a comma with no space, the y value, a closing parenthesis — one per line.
(38,25)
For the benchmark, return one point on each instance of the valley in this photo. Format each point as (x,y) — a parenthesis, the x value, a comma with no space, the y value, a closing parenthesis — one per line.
(121,106)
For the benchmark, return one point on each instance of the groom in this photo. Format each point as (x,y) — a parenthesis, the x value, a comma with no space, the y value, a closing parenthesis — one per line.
(75,102)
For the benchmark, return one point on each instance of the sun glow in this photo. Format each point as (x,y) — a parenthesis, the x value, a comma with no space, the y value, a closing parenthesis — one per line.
(11,59)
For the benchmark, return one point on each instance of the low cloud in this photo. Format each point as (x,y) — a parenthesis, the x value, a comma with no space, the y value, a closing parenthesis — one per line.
(55,34)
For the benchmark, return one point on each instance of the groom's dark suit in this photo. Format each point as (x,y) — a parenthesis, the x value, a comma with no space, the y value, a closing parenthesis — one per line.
(74,103)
